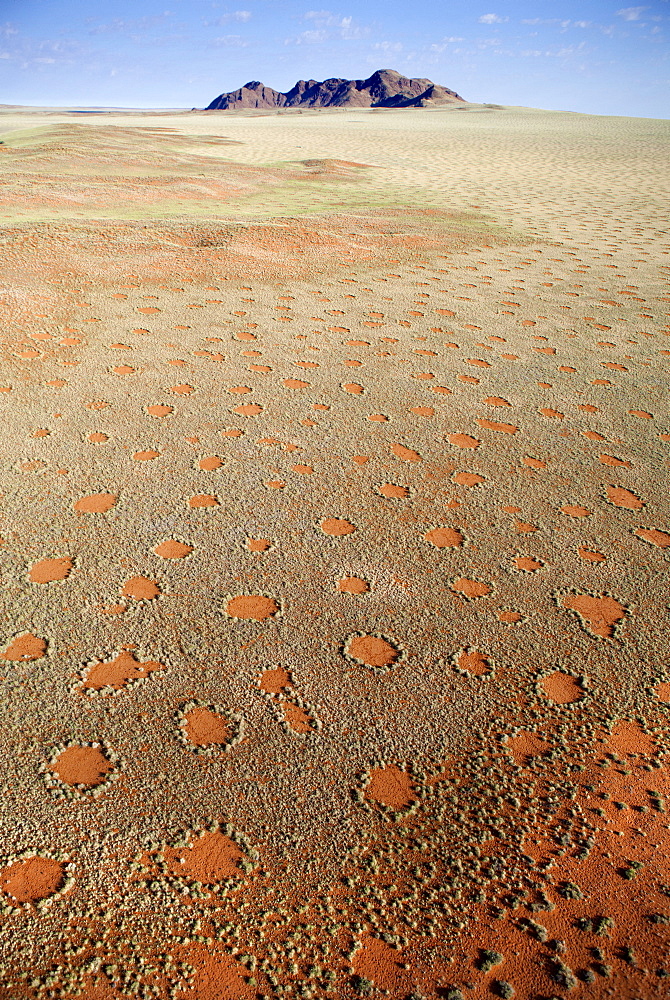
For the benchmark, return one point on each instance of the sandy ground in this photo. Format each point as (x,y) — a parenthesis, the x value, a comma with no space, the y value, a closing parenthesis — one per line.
(334,555)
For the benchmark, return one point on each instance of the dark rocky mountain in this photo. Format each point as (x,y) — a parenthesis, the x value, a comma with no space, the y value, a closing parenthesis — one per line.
(384,89)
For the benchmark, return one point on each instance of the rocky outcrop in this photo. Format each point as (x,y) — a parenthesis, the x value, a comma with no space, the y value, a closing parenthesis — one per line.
(384,89)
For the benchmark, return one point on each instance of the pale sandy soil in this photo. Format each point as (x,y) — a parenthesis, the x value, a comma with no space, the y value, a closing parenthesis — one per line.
(334,555)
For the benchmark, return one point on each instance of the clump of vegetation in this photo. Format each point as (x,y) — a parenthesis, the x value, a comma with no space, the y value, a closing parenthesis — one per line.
(503,989)
(362,985)
(488,958)
(569,890)
(603,925)
(562,974)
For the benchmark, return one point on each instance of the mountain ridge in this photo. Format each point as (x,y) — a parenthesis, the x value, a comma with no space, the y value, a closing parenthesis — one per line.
(385,88)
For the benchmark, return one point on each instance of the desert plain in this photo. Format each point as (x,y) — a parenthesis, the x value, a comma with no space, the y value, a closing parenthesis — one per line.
(334,554)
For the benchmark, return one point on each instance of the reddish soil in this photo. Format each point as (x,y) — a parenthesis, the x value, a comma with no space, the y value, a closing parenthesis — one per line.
(82,766)
(349,564)
(204,727)
(32,879)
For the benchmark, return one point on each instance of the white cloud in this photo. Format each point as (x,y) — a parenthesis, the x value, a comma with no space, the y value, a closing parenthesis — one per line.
(310,37)
(442,45)
(388,46)
(631,13)
(231,41)
(8,29)
(327,25)
(241,16)
(492,19)
(131,27)
(324,18)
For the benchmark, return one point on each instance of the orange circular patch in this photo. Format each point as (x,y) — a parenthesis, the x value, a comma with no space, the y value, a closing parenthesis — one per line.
(32,879)
(252,607)
(371,650)
(468,478)
(393,492)
(463,441)
(171,549)
(203,727)
(48,570)
(96,503)
(140,588)
(472,588)
(203,500)
(561,688)
(82,766)
(444,538)
(337,526)
(353,585)
(24,648)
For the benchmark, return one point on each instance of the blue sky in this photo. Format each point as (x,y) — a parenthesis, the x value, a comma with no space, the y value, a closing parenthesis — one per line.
(587,55)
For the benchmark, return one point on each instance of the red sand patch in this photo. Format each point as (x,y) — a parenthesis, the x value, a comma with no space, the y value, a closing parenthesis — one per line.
(621,497)
(140,588)
(118,672)
(390,786)
(629,738)
(297,717)
(381,964)
(203,500)
(96,503)
(468,478)
(474,662)
(82,766)
(493,425)
(463,441)
(471,588)
(32,879)
(258,544)
(209,859)
(205,728)
(561,688)
(252,607)
(655,537)
(575,510)
(393,492)
(599,614)
(371,650)
(24,648)
(533,463)
(171,549)
(48,570)
(353,585)
(337,526)
(528,564)
(444,538)
(407,454)
(526,745)
(589,555)
(274,681)
(663,692)
(220,977)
